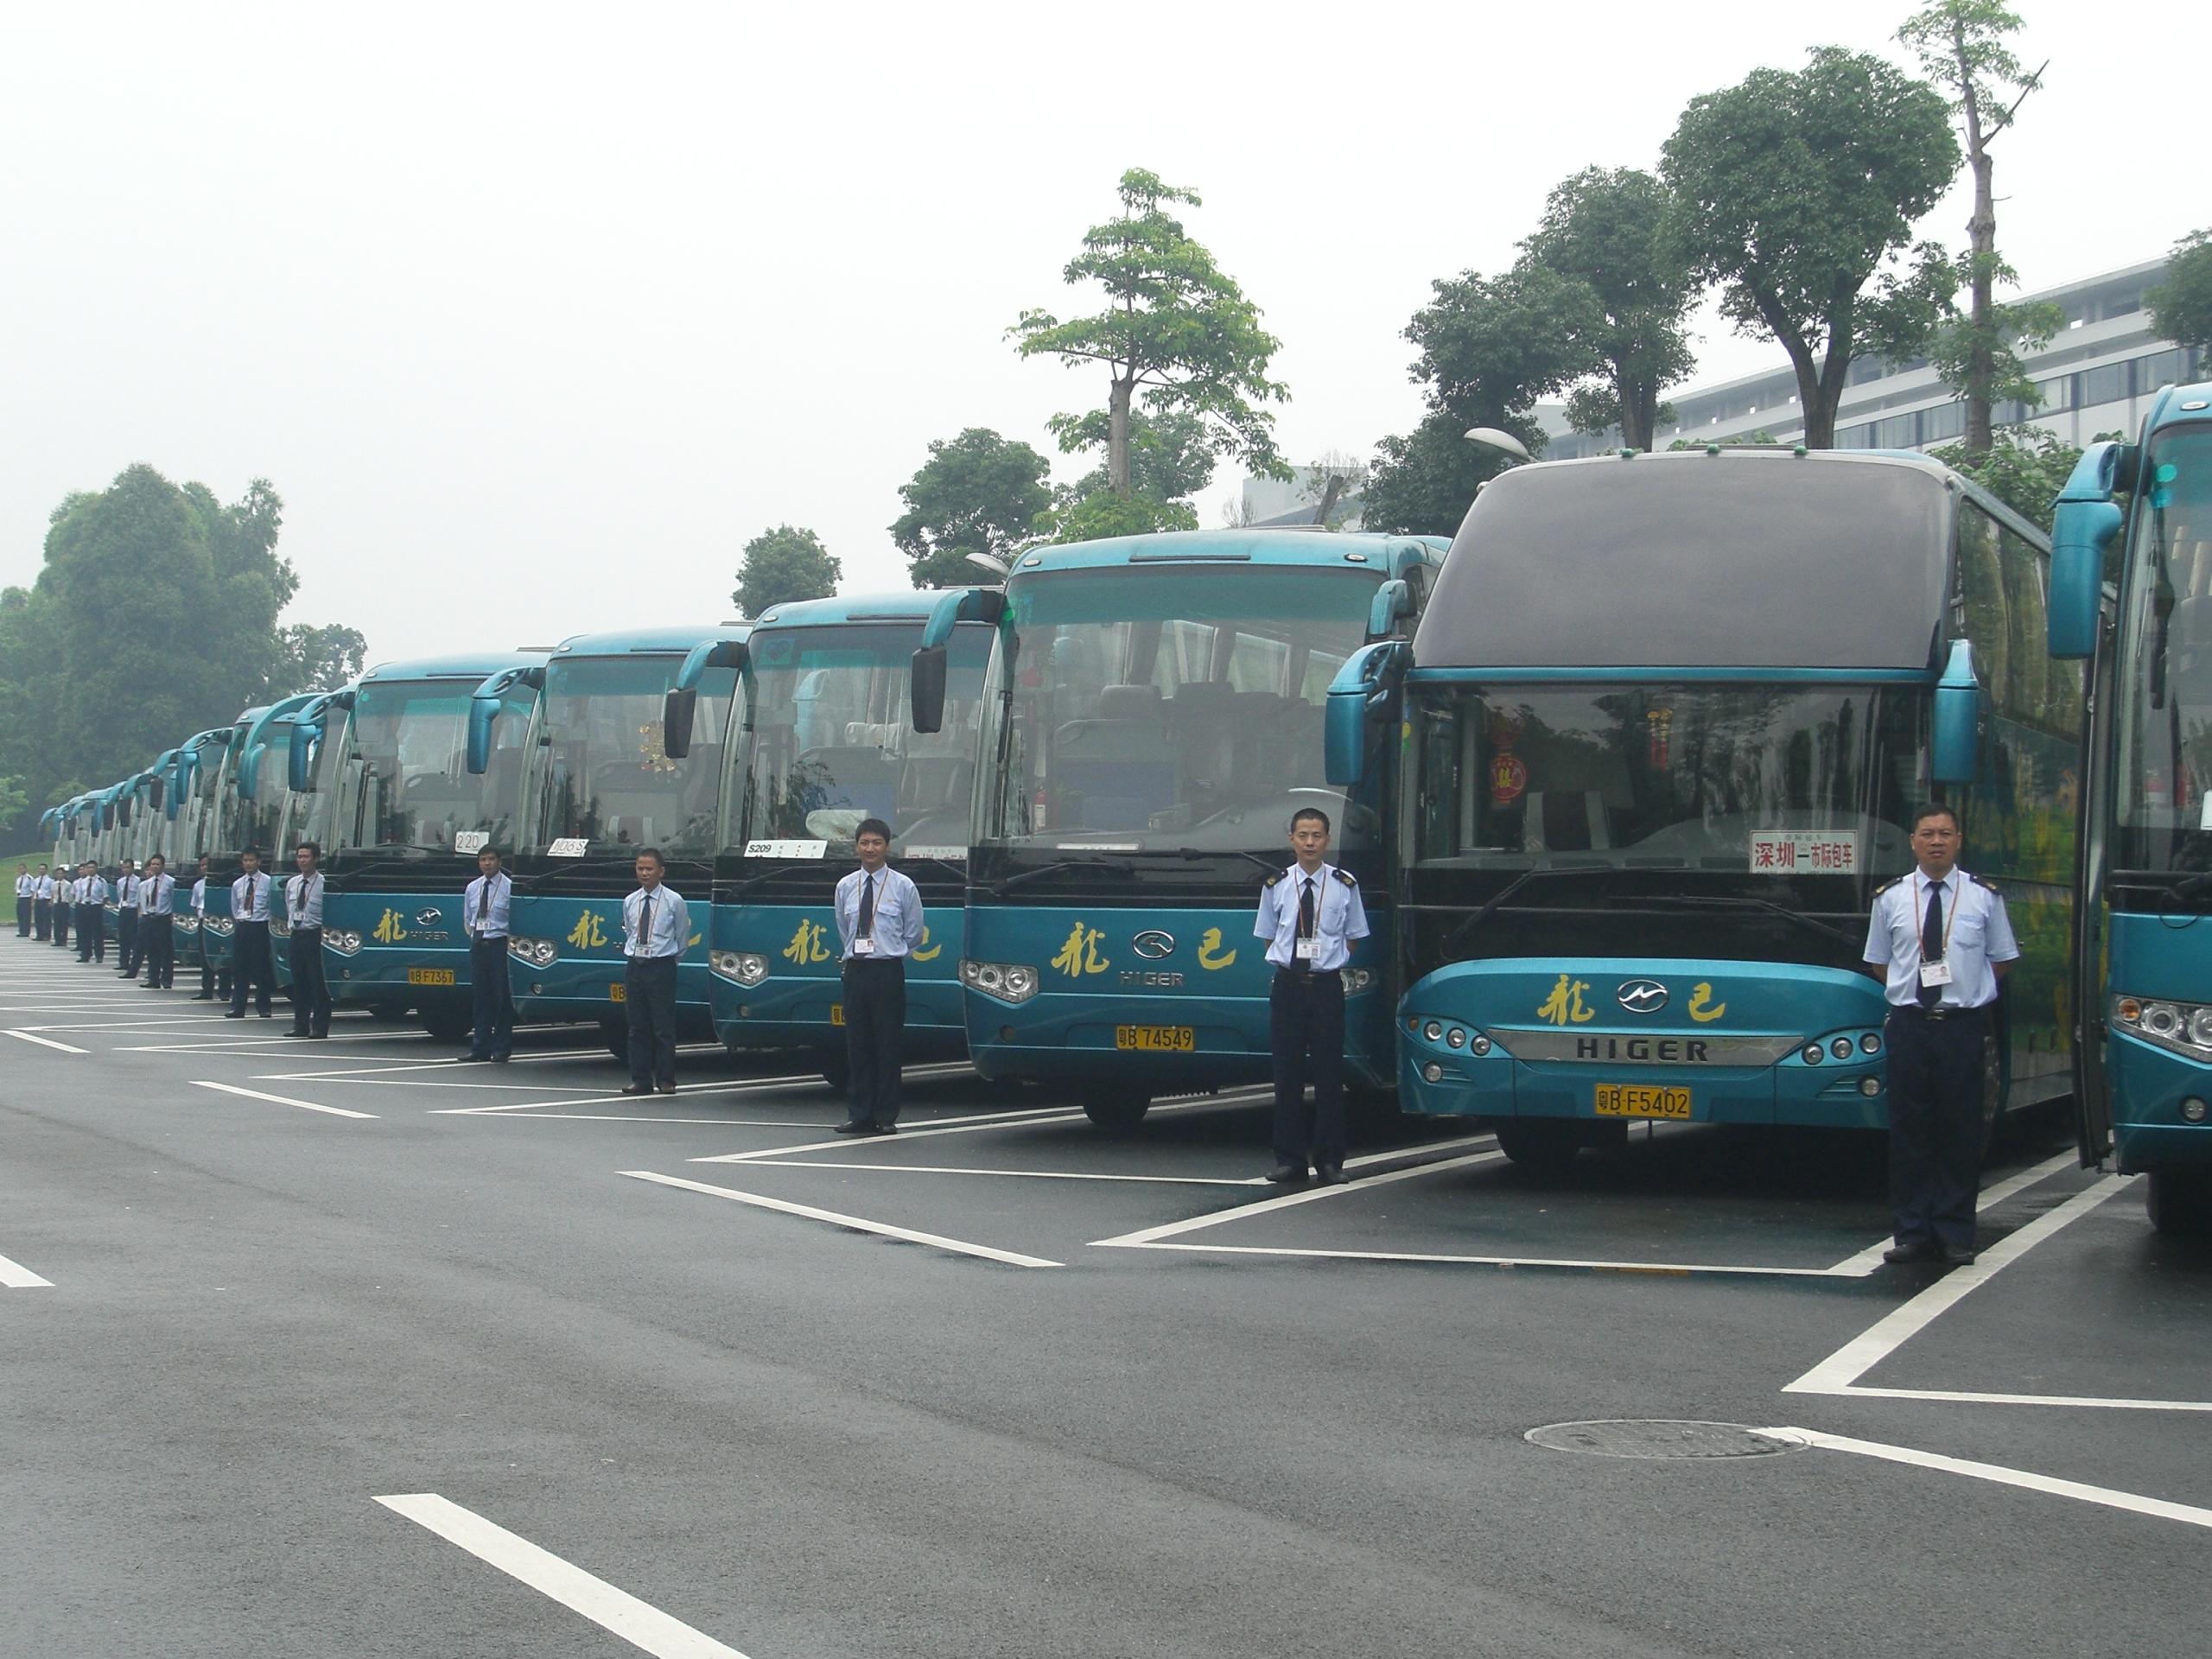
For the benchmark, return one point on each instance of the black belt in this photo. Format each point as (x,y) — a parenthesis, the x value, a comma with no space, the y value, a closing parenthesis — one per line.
(1936,1013)
(1309,973)
(301,927)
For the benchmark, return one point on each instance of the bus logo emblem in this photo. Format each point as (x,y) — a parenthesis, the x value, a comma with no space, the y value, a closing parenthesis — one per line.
(1153,944)
(428,917)
(1641,996)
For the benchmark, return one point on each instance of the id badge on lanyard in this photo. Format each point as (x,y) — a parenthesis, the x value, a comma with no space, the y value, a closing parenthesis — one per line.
(1305,949)
(1935,973)
(864,945)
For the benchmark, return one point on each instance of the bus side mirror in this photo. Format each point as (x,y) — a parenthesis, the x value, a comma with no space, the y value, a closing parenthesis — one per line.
(482,711)
(160,789)
(2078,539)
(677,710)
(925,694)
(1364,691)
(1955,738)
(299,759)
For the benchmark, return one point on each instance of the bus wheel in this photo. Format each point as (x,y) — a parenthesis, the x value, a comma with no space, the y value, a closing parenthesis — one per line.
(836,1069)
(388,1013)
(1543,1146)
(1115,1110)
(448,1024)
(617,1038)
(2179,1202)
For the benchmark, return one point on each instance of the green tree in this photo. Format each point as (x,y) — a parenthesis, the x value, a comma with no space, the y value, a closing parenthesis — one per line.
(1625,306)
(1078,517)
(783,564)
(1793,190)
(1176,328)
(1488,349)
(976,493)
(1962,47)
(2023,466)
(1170,456)
(14,797)
(317,658)
(2181,307)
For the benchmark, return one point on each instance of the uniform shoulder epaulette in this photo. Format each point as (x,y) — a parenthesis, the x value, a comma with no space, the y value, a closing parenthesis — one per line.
(1272,880)
(1887,884)
(1346,877)
(1991,885)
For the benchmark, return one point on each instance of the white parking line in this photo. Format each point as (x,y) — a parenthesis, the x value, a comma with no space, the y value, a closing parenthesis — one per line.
(2132,1503)
(857,1222)
(1025,1175)
(1023,1118)
(279,1100)
(1871,1258)
(684,1090)
(16,1276)
(1154,1235)
(44,1042)
(640,1624)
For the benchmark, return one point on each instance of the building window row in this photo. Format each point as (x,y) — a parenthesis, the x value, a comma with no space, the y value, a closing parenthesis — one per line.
(2113,383)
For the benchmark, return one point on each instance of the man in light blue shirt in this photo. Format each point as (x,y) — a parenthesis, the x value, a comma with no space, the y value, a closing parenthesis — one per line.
(156,926)
(1309,915)
(252,967)
(484,909)
(655,927)
(879,925)
(304,923)
(126,920)
(91,914)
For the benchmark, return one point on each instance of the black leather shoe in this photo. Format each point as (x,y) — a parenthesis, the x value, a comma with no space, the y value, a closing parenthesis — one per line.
(294,1031)
(668,1088)
(467,1060)
(638,1088)
(1957,1256)
(853,1128)
(1330,1175)
(203,996)
(1926,1250)
(501,1059)
(319,1034)
(234,1014)
(1285,1175)
(887,1128)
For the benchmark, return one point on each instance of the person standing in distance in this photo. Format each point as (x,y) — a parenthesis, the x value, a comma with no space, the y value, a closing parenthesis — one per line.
(304,910)
(156,930)
(91,914)
(43,905)
(126,920)
(25,882)
(251,963)
(655,925)
(1309,915)
(206,992)
(484,908)
(879,925)
(1940,941)
(64,903)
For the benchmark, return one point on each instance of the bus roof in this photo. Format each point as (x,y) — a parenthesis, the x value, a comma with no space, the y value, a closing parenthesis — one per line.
(2176,404)
(912,605)
(1390,555)
(471,666)
(1725,559)
(672,641)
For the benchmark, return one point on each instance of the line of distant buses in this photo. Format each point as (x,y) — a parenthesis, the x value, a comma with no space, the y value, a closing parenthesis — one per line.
(1617,771)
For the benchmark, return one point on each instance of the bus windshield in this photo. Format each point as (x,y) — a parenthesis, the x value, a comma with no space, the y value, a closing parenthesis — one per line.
(831,743)
(608,783)
(260,818)
(1757,779)
(401,778)
(2164,777)
(1169,708)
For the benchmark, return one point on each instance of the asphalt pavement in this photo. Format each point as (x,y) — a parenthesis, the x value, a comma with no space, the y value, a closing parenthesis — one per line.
(342,1348)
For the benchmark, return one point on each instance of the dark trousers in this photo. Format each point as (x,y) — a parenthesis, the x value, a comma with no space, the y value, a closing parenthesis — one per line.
(207,962)
(649,994)
(43,918)
(493,1002)
(1306,1031)
(1936,1128)
(63,910)
(91,933)
(126,940)
(157,943)
(24,917)
(876,1029)
(252,965)
(311,989)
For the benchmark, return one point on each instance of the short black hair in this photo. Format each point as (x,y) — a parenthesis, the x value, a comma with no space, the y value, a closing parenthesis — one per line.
(653,853)
(314,847)
(155,858)
(250,852)
(1927,809)
(873,827)
(487,850)
(1306,812)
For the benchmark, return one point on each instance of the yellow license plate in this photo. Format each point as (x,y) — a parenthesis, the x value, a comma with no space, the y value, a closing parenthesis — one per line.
(1173,1040)
(616,991)
(1642,1100)
(429,976)
(836,1013)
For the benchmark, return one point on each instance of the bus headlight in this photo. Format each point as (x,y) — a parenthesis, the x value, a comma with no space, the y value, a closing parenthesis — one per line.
(222,925)
(2184,1027)
(1357,980)
(346,941)
(741,967)
(1455,1038)
(538,953)
(1008,982)
(1812,1053)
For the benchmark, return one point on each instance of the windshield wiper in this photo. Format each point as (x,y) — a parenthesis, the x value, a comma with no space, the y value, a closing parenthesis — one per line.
(1270,865)
(1118,865)
(1741,901)
(1460,933)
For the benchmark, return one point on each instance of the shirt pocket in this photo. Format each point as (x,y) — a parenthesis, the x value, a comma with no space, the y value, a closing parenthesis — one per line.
(1970,931)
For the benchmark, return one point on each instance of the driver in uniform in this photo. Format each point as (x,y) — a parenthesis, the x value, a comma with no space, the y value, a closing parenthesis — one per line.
(1309,915)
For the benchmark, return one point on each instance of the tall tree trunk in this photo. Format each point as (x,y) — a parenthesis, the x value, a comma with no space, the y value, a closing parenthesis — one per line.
(1639,402)
(1117,435)
(1982,232)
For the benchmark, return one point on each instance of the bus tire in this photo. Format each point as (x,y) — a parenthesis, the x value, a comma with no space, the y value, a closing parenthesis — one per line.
(448,1024)
(388,1013)
(1543,1146)
(617,1038)
(2179,1202)
(1117,1110)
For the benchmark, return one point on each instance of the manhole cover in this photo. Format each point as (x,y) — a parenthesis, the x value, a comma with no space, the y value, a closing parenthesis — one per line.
(1660,1438)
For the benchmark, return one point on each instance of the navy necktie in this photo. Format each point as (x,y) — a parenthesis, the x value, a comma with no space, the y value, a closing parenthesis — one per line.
(645,926)
(867,929)
(1931,941)
(1306,909)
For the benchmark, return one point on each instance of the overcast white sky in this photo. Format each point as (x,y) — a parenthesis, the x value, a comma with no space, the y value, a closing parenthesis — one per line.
(562,304)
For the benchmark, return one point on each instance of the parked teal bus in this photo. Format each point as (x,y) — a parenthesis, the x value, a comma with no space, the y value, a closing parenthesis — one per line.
(385,789)
(600,786)
(1664,725)
(190,806)
(266,796)
(2132,595)
(1152,717)
(819,739)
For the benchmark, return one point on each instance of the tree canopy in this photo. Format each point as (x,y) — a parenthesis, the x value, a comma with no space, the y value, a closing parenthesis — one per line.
(781,564)
(2181,307)
(1794,190)
(976,493)
(1176,330)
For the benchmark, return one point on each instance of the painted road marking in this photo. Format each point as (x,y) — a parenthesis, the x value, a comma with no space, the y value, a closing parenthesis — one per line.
(973,1123)
(2132,1503)
(640,1624)
(45,1042)
(279,1100)
(1869,1259)
(610,1096)
(16,1276)
(857,1223)
(1151,1236)
(1025,1174)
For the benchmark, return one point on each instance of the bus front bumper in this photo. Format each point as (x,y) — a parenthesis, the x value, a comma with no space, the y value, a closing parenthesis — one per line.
(2151,1087)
